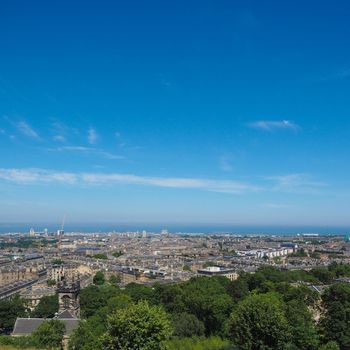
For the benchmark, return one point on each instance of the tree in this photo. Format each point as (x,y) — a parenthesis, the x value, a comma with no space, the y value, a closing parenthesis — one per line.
(51,282)
(259,323)
(332,345)
(207,298)
(49,334)
(9,311)
(114,279)
(99,278)
(101,256)
(120,301)
(47,307)
(92,298)
(186,268)
(198,343)
(139,327)
(336,318)
(187,325)
(87,336)
(139,292)
(303,330)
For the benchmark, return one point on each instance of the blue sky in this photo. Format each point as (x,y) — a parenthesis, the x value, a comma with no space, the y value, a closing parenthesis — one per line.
(211,112)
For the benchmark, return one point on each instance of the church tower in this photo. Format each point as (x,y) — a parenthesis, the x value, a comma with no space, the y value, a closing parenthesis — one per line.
(68,298)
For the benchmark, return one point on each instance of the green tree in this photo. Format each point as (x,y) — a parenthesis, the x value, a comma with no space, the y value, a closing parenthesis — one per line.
(139,292)
(47,307)
(49,334)
(303,330)
(9,311)
(139,327)
(187,268)
(332,345)
(99,278)
(114,280)
(87,336)
(101,256)
(336,318)
(207,298)
(198,343)
(120,301)
(187,325)
(259,323)
(51,282)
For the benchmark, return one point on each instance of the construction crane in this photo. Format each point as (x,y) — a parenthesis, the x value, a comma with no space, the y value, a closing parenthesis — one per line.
(60,232)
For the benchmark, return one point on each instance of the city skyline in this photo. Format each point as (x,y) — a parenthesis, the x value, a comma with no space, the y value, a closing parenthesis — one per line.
(206,113)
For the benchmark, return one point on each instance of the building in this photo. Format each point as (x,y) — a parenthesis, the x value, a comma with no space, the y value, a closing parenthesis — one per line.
(211,271)
(68,313)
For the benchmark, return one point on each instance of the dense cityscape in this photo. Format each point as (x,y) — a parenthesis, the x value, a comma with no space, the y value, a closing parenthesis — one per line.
(54,275)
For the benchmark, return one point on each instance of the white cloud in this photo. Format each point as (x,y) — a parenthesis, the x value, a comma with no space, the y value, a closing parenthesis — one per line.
(296,183)
(24,128)
(88,150)
(33,176)
(269,125)
(92,136)
(26,176)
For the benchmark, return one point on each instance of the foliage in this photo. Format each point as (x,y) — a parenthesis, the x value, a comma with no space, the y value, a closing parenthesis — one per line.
(87,336)
(300,253)
(49,334)
(322,274)
(51,282)
(259,323)
(92,298)
(267,312)
(187,325)
(140,326)
(336,318)
(99,278)
(197,343)
(139,292)
(47,307)
(303,329)
(101,256)
(9,311)
(57,262)
(114,280)
(332,345)
(186,268)
(208,264)
(17,342)
(117,254)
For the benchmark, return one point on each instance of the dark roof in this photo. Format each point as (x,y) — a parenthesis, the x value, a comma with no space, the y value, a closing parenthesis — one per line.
(65,314)
(26,326)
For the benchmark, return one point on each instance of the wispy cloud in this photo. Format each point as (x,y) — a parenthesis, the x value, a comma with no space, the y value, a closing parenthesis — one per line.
(25,129)
(87,150)
(270,125)
(26,176)
(296,183)
(92,136)
(60,131)
(34,176)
